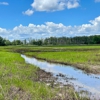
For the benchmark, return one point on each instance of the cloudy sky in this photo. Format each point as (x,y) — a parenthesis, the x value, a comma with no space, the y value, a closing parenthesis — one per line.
(22,19)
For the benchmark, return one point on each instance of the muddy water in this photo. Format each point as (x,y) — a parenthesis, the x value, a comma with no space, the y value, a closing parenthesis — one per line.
(76,77)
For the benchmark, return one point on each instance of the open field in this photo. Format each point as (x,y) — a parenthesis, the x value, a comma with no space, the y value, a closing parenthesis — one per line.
(86,58)
(21,81)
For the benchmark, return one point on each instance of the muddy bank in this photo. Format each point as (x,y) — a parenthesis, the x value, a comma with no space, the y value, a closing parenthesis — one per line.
(68,75)
(18,93)
(64,91)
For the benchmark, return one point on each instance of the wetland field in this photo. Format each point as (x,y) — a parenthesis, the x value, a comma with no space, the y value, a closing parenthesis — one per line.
(21,79)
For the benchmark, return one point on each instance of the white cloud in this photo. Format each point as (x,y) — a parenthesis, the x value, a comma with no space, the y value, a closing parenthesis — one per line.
(97,0)
(4,3)
(51,29)
(28,12)
(73,4)
(2,30)
(54,5)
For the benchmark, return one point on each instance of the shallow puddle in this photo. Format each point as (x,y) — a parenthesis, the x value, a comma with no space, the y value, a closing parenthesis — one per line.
(76,77)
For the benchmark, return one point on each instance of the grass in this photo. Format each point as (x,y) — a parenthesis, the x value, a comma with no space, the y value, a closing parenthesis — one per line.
(18,79)
(16,76)
(84,57)
(51,48)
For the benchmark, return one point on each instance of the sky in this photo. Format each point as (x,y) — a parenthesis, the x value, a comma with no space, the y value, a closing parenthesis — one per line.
(38,19)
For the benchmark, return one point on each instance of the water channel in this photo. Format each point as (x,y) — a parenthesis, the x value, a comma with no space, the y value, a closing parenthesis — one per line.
(77,78)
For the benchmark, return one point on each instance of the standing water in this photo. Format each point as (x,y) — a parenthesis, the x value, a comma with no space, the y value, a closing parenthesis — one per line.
(77,78)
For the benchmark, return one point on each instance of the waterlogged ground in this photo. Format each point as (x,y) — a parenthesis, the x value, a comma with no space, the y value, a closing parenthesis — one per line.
(71,75)
(22,81)
(19,80)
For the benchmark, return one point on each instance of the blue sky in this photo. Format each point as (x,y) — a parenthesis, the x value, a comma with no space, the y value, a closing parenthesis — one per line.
(22,19)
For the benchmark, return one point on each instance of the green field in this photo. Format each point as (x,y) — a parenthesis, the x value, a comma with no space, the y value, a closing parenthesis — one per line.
(86,58)
(18,80)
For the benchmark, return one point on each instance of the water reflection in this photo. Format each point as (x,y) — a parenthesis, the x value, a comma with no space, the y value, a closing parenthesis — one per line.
(87,82)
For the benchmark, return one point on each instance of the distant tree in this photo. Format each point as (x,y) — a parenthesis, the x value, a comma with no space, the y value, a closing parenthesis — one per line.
(39,42)
(7,42)
(2,41)
(96,39)
(54,41)
(24,42)
(17,42)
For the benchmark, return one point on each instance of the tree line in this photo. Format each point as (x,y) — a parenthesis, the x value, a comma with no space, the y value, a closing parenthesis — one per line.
(95,39)
(5,42)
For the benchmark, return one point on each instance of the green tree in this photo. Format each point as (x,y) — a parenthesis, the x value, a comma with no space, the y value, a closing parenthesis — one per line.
(2,41)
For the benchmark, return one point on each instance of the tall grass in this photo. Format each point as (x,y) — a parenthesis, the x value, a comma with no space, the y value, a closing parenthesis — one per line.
(16,78)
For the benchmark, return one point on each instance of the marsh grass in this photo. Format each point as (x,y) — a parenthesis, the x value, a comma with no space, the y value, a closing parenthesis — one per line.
(16,79)
(88,60)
